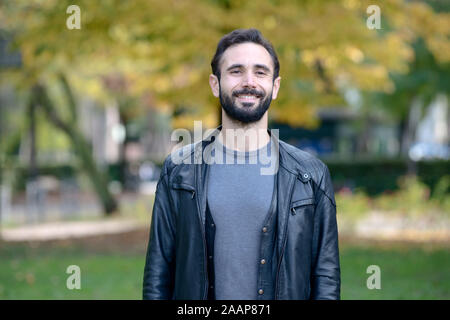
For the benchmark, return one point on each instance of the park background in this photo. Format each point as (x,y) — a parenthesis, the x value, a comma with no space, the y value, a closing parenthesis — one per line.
(86,117)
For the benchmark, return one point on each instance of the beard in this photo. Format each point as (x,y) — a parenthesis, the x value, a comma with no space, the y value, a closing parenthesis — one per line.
(248,112)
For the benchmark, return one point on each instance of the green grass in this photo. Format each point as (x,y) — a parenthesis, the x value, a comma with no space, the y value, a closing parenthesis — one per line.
(40,273)
(406,272)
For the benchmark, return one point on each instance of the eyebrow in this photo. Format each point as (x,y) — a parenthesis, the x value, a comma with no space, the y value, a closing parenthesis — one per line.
(258,66)
(264,67)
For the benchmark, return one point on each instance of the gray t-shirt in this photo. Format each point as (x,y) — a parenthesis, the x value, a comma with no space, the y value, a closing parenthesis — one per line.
(239,198)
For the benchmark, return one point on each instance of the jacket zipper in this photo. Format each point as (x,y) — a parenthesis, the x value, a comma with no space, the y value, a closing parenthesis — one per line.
(284,243)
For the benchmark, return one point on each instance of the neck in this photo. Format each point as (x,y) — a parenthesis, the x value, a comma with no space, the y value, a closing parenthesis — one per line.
(236,135)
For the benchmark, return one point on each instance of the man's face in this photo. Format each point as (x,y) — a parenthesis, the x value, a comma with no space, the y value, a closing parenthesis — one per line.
(246,87)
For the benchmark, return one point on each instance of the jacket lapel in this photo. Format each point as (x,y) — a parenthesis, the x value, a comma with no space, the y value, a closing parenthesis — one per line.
(201,171)
(285,183)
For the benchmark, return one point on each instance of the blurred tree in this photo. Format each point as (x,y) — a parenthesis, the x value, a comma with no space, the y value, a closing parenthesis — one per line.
(163,48)
(428,75)
(414,91)
(323,45)
(81,147)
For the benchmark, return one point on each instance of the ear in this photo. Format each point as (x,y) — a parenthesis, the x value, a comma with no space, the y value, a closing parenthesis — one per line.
(276,87)
(214,84)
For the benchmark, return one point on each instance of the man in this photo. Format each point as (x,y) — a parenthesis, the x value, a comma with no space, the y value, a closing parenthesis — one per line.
(227,229)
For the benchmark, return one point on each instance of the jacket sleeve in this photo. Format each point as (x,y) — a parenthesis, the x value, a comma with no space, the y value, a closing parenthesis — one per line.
(325,275)
(160,259)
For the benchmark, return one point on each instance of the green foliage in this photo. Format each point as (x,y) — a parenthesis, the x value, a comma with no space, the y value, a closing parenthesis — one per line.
(351,206)
(21,174)
(425,78)
(440,196)
(413,199)
(376,176)
(323,43)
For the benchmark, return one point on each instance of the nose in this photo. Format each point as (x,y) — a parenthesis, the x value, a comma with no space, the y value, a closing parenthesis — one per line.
(249,80)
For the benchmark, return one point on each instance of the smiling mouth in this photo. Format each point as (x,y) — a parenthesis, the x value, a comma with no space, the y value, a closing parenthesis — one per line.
(247,97)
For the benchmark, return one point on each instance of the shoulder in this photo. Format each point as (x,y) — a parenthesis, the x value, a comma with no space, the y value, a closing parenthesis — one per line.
(308,166)
(180,157)
(302,160)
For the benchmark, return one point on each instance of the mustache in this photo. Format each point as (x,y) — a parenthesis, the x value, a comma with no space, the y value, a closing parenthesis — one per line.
(248,92)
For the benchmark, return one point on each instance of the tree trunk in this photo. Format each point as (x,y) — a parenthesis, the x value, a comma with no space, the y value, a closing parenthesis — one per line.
(408,130)
(80,145)
(32,169)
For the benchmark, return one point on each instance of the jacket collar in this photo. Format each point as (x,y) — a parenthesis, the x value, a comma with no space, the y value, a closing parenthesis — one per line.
(286,160)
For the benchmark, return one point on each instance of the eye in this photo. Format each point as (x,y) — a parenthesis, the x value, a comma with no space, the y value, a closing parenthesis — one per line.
(236,71)
(260,73)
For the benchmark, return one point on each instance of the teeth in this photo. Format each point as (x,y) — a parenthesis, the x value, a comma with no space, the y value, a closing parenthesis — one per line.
(247,97)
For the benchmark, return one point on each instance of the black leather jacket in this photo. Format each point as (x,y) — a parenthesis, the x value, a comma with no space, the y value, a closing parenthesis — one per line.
(306,241)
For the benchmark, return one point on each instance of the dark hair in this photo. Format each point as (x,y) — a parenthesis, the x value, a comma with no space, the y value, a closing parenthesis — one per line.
(240,36)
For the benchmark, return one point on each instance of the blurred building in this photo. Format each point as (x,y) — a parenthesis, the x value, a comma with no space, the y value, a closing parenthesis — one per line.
(344,133)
